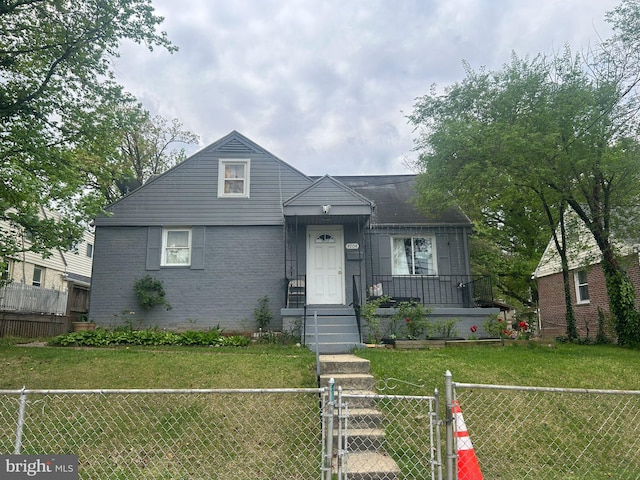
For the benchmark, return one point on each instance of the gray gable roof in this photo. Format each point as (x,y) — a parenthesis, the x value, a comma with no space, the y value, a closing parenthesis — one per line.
(394,197)
(187,194)
(328,190)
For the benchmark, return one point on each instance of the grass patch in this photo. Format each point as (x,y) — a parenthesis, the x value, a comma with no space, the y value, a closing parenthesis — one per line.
(572,366)
(259,366)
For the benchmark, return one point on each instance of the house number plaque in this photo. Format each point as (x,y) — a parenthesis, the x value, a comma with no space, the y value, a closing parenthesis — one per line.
(352,246)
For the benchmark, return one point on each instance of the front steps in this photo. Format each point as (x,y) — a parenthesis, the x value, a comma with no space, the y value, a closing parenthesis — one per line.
(366,458)
(337,329)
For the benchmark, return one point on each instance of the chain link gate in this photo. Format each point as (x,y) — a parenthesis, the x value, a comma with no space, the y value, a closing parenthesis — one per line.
(381,437)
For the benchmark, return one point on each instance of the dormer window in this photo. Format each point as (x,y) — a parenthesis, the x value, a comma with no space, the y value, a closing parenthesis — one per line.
(233,178)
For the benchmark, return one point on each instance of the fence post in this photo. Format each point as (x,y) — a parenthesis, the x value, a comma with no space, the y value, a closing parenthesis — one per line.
(317,346)
(20,426)
(437,422)
(448,393)
(339,447)
(328,460)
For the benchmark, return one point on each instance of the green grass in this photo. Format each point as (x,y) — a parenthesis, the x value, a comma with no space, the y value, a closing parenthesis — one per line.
(575,366)
(269,366)
(261,366)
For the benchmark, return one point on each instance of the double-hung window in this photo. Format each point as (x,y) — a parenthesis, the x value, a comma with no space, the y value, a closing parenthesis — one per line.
(38,276)
(176,247)
(582,286)
(233,178)
(5,271)
(414,256)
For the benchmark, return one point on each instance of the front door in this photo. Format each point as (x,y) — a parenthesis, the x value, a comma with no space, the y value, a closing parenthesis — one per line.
(325,265)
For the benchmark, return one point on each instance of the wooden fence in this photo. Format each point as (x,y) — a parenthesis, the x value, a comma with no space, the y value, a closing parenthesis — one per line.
(29,325)
(30,312)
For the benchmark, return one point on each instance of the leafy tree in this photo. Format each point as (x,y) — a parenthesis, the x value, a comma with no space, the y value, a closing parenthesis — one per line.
(539,136)
(473,136)
(147,150)
(57,90)
(138,148)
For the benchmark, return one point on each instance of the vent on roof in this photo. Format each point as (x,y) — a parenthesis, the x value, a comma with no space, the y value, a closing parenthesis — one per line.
(235,146)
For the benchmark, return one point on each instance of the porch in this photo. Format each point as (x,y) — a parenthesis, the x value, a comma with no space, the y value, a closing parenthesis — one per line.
(448,291)
(338,328)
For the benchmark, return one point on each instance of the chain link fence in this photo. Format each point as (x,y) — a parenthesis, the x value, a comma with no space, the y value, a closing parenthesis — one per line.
(230,434)
(171,434)
(517,432)
(552,433)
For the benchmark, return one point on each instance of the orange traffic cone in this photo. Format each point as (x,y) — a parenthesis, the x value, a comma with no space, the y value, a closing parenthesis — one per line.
(468,467)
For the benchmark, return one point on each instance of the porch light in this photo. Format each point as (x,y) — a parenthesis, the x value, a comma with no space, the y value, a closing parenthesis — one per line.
(326,209)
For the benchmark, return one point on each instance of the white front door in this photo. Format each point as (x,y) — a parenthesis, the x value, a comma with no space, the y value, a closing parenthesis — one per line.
(325,265)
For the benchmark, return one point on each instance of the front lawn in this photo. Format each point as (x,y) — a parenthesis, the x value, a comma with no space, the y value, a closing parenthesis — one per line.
(557,365)
(271,366)
(259,366)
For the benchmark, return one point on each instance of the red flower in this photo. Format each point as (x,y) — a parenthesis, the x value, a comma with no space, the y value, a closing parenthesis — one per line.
(408,320)
(474,329)
(523,325)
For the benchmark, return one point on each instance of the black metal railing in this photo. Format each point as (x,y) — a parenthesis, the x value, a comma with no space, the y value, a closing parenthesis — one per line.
(450,290)
(356,305)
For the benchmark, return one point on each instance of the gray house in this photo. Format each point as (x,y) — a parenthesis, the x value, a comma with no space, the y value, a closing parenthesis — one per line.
(233,223)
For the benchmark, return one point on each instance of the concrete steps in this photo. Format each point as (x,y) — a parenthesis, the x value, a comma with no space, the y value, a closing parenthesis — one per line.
(366,459)
(336,330)
(372,466)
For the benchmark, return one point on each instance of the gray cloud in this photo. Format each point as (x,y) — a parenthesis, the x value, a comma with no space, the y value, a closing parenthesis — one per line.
(326,85)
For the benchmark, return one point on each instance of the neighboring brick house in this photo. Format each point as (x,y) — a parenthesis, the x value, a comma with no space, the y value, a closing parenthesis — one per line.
(588,288)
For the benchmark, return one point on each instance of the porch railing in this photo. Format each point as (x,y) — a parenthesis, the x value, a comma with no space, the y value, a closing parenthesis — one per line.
(447,290)
(22,298)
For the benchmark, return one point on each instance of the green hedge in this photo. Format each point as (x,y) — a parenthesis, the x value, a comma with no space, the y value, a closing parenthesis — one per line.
(105,338)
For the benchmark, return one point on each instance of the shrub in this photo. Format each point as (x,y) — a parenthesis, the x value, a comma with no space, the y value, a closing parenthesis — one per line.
(446,328)
(150,292)
(103,338)
(262,314)
(414,316)
(369,312)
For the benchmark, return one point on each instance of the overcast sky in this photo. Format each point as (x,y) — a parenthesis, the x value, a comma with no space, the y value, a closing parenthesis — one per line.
(326,85)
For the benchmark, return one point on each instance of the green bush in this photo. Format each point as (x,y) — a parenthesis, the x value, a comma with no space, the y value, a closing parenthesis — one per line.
(414,316)
(369,312)
(150,292)
(103,338)
(262,314)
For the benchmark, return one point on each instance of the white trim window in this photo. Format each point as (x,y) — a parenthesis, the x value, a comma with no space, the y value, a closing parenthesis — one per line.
(582,286)
(176,247)
(414,256)
(5,273)
(233,178)
(38,276)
